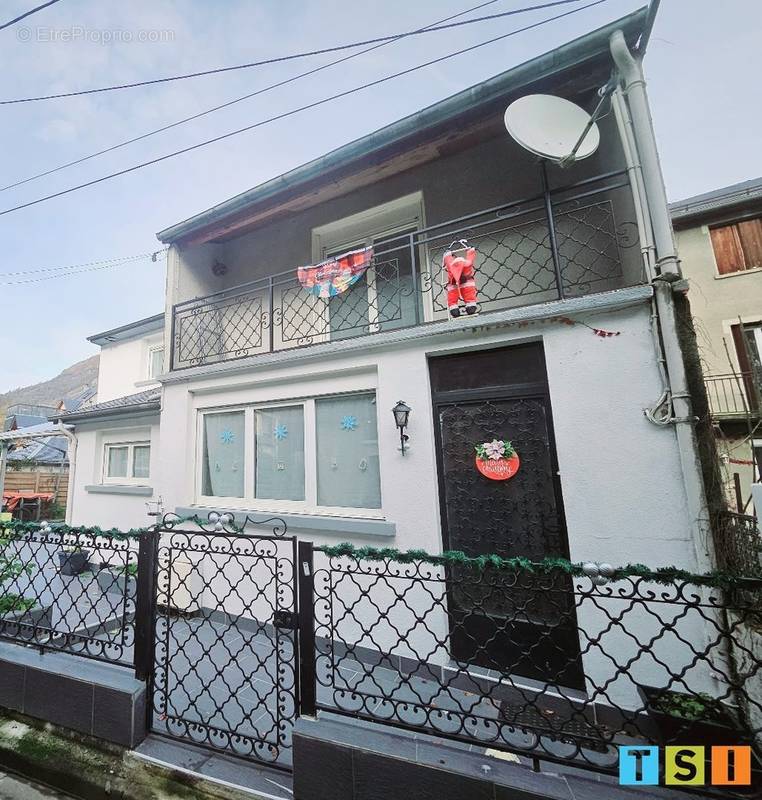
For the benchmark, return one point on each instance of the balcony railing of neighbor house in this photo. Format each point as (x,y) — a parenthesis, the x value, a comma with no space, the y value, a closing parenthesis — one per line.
(560,244)
(732,395)
(238,633)
(72,592)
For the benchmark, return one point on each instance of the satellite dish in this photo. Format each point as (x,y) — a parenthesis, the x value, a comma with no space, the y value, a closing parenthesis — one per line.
(552,127)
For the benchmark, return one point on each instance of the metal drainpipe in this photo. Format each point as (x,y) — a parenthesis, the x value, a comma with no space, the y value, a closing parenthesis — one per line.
(668,266)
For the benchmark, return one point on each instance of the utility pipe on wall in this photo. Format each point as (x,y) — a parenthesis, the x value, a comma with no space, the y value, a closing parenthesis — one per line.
(667,265)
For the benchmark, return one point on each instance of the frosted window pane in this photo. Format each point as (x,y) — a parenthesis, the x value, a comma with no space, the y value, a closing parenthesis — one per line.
(141,457)
(117,462)
(223,454)
(347,452)
(280,453)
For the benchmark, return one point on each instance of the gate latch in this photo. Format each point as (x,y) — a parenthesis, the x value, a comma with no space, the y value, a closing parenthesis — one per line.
(285,619)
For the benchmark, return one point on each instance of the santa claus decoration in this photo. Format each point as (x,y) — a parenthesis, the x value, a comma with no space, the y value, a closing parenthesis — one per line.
(458,266)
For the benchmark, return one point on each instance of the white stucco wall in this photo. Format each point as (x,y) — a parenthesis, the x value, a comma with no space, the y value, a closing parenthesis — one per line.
(112,509)
(123,368)
(621,476)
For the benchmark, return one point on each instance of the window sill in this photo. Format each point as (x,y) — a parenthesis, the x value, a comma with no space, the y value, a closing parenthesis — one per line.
(118,488)
(313,523)
(738,273)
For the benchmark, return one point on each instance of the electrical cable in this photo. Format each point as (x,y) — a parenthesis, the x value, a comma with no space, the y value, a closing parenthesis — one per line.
(67,274)
(227,104)
(294,111)
(27,14)
(280,59)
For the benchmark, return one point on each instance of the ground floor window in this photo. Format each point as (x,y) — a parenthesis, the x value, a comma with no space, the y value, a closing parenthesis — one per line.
(317,453)
(126,461)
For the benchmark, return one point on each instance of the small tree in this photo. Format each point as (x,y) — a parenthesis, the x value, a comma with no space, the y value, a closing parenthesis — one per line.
(10,569)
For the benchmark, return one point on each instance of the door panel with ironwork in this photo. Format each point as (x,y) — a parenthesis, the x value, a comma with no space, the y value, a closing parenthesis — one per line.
(521,516)
(225,649)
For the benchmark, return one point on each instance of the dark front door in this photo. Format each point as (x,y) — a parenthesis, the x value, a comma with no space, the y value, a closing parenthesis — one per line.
(513,622)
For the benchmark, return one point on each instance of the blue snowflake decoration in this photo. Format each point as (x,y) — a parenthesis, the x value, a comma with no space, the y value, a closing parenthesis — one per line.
(227,437)
(280,432)
(348,423)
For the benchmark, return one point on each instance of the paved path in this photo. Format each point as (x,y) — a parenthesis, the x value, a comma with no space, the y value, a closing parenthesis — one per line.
(13,787)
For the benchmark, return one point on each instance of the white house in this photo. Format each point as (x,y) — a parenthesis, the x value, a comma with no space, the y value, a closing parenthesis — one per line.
(277,398)
(114,477)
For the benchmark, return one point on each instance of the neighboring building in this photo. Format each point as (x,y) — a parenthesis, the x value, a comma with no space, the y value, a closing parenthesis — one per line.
(116,463)
(719,236)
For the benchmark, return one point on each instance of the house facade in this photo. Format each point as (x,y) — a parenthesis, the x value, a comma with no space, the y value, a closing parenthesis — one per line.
(278,401)
(719,236)
(114,480)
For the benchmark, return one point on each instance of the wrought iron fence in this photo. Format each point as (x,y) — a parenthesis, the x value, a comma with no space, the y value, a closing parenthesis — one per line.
(550,667)
(556,245)
(224,665)
(732,395)
(73,592)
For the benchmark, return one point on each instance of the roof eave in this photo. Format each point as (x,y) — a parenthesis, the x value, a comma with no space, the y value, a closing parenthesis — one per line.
(565,57)
(109,413)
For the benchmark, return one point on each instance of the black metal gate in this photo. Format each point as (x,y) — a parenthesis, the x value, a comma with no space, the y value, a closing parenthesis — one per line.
(224,646)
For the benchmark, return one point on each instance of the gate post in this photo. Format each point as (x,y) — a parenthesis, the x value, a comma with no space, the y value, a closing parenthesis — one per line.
(145,606)
(306,630)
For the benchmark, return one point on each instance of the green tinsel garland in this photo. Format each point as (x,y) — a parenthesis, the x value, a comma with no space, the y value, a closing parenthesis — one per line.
(19,527)
(662,575)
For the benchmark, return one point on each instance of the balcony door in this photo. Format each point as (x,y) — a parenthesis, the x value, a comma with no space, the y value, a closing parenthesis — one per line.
(384,298)
(510,622)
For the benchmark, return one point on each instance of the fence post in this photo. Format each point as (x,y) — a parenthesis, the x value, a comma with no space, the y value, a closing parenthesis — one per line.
(145,607)
(306,630)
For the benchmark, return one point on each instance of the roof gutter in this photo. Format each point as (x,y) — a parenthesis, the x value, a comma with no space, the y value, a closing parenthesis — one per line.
(110,413)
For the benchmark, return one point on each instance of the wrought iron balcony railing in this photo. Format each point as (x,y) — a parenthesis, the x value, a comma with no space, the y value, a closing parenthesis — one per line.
(529,251)
(732,395)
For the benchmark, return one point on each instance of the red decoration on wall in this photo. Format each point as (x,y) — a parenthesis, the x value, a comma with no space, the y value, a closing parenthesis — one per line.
(500,469)
(497,460)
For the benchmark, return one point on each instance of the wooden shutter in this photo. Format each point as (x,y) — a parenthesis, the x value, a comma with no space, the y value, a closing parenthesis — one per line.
(750,234)
(728,252)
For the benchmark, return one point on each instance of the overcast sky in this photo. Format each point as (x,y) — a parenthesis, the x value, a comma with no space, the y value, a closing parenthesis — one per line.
(703,67)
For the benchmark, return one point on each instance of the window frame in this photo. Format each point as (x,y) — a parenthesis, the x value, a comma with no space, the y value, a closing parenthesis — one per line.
(154,348)
(249,502)
(128,479)
(733,227)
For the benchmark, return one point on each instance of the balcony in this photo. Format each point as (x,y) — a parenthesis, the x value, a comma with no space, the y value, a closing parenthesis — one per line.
(561,244)
(733,396)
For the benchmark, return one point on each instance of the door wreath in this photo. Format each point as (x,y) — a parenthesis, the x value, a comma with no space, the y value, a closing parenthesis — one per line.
(497,460)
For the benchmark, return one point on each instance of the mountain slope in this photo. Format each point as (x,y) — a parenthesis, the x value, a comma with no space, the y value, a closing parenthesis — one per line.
(71,381)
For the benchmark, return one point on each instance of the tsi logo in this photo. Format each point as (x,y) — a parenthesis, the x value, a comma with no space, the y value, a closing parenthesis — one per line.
(685,765)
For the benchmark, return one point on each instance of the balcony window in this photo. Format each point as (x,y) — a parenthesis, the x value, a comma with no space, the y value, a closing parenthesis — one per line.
(737,247)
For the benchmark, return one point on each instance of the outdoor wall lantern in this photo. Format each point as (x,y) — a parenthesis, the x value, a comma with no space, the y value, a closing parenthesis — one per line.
(401,413)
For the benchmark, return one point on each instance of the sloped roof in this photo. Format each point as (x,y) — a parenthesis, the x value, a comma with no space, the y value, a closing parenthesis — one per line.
(574,57)
(718,200)
(17,421)
(138,328)
(43,451)
(148,400)
(75,402)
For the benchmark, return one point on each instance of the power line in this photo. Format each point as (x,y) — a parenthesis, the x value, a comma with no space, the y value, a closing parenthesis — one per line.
(294,111)
(118,259)
(227,104)
(27,14)
(291,57)
(152,256)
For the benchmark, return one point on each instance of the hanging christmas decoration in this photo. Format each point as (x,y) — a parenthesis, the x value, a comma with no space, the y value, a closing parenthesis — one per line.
(348,422)
(497,460)
(280,432)
(461,278)
(227,437)
(336,275)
